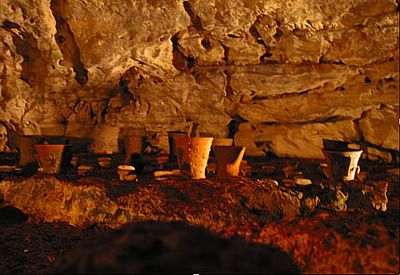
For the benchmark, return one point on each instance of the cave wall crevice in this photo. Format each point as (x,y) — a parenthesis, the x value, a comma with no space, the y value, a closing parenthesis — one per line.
(295,71)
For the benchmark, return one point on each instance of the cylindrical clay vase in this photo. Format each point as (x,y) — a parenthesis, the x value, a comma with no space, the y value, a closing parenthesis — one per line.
(193,155)
(50,157)
(228,160)
(342,165)
(172,145)
(26,147)
(105,140)
(134,144)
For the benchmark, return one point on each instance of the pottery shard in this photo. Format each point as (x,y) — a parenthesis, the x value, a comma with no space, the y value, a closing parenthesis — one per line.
(381,127)
(292,140)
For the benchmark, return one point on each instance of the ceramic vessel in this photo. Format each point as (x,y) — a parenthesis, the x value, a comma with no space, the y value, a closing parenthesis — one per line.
(125,172)
(105,140)
(134,144)
(220,142)
(84,169)
(49,157)
(171,143)
(193,153)
(228,160)
(104,162)
(342,165)
(26,147)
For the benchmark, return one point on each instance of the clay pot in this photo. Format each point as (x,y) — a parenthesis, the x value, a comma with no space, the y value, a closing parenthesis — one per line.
(172,146)
(105,140)
(228,160)
(134,144)
(104,162)
(193,155)
(342,165)
(83,170)
(220,142)
(49,157)
(26,147)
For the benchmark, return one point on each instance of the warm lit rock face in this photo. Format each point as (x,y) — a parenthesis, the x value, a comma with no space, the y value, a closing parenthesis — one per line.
(290,72)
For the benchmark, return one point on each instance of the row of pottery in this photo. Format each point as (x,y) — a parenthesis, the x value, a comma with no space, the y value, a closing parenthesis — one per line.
(193,153)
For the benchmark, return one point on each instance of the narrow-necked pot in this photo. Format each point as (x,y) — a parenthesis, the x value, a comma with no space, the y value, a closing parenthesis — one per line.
(26,147)
(172,145)
(134,144)
(228,160)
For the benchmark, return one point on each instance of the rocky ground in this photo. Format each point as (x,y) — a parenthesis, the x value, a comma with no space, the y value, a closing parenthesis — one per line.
(331,234)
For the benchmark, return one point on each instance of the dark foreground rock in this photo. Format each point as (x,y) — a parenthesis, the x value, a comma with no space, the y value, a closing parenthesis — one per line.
(173,247)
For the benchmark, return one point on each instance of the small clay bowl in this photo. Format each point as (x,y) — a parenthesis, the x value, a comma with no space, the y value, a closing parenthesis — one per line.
(104,162)
(84,169)
(124,171)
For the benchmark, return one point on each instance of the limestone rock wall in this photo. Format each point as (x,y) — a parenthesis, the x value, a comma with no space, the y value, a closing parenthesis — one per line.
(289,73)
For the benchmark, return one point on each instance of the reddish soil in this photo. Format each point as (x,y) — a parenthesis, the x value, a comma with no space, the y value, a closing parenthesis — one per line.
(26,247)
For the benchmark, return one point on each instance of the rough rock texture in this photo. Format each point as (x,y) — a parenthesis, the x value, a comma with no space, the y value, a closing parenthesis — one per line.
(362,240)
(112,203)
(297,66)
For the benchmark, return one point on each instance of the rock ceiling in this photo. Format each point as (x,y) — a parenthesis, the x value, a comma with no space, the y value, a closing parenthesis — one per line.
(289,72)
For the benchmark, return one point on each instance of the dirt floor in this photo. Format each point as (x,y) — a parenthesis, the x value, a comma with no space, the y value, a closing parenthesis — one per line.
(29,247)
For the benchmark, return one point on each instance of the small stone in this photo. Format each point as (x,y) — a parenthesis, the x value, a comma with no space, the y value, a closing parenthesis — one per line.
(302,181)
(161,174)
(273,182)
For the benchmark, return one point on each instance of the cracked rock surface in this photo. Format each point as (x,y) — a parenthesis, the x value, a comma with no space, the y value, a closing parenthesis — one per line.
(282,68)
